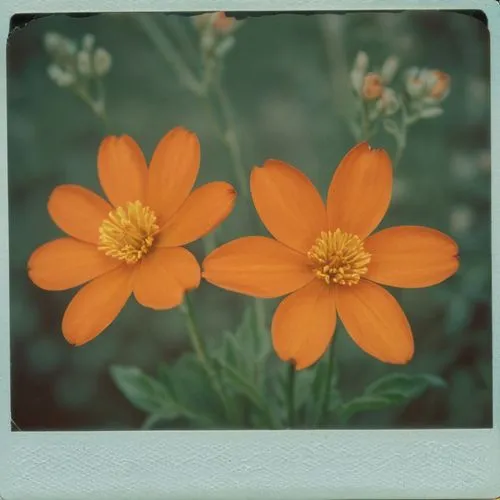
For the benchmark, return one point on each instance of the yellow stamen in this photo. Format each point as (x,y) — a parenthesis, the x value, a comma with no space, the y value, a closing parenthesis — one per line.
(339,257)
(128,232)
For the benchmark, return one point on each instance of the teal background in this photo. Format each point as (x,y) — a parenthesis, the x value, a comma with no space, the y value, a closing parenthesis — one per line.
(279,82)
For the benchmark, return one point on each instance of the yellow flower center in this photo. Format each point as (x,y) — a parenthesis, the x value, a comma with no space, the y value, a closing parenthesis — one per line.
(128,232)
(339,257)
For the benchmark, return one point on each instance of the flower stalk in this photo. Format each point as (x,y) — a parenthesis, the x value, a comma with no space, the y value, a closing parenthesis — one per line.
(208,88)
(80,68)
(200,351)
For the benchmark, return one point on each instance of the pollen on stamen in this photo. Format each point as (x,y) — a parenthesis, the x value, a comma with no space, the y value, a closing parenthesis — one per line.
(339,258)
(128,232)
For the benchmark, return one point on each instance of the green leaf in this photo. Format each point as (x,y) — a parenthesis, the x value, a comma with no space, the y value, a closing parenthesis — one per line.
(144,392)
(363,404)
(241,385)
(390,390)
(191,389)
(405,384)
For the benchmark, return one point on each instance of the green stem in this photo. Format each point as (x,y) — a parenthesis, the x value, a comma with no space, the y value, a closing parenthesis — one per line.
(328,383)
(401,139)
(365,123)
(169,53)
(260,315)
(291,395)
(231,138)
(176,24)
(200,351)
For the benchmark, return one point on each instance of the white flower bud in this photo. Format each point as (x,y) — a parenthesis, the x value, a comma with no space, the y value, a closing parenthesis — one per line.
(415,84)
(361,62)
(88,42)
(53,41)
(59,76)
(102,61)
(388,102)
(358,72)
(83,63)
(389,69)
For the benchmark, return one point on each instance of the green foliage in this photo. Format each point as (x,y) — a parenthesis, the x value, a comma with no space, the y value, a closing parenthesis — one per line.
(258,395)
(394,389)
(144,392)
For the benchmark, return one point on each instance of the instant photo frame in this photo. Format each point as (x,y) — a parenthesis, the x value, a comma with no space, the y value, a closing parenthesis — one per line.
(232,465)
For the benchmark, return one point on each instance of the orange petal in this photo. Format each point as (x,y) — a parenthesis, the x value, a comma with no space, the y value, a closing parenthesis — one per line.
(304,323)
(66,263)
(375,321)
(288,204)
(411,257)
(172,172)
(122,169)
(205,208)
(257,266)
(360,191)
(78,211)
(164,276)
(96,305)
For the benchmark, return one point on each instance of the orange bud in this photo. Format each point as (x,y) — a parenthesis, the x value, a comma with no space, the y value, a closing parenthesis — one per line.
(223,23)
(441,85)
(372,86)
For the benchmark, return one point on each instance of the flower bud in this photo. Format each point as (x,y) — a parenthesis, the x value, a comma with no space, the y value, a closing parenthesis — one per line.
(219,21)
(223,23)
(59,76)
(388,102)
(83,63)
(389,69)
(372,86)
(102,61)
(58,45)
(52,41)
(358,72)
(439,86)
(88,42)
(415,84)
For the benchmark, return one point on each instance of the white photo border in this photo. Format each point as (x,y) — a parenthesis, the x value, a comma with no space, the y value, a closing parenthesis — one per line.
(233,465)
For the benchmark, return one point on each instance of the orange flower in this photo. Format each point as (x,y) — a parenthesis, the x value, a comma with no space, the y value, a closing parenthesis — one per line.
(440,85)
(372,86)
(133,244)
(328,261)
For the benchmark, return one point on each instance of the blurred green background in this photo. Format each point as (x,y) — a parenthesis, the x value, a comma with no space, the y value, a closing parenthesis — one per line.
(278,76)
